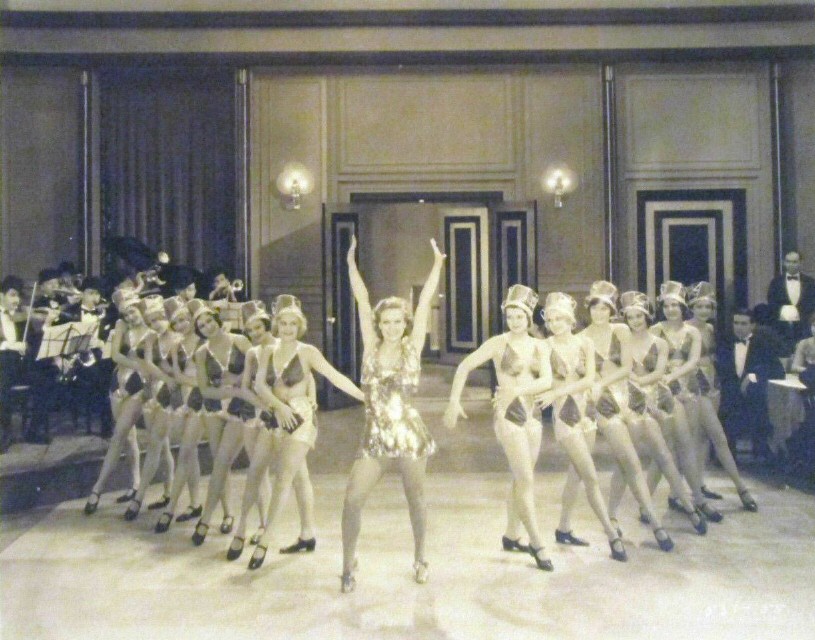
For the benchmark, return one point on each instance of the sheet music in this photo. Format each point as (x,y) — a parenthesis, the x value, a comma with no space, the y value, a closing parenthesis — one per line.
(66,339)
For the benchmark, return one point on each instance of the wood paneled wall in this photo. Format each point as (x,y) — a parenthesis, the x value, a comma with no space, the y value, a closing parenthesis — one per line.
(703,126)
(435,131)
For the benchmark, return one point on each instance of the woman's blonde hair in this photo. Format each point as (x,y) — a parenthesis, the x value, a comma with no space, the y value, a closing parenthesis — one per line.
(394,302)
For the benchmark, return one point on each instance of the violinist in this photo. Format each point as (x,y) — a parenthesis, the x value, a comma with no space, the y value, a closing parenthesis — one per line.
(69,280)
(12,349)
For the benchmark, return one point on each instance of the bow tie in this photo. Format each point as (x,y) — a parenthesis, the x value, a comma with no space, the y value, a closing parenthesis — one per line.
(789,277)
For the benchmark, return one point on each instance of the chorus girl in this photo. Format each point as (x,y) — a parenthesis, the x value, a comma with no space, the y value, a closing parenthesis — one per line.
(684,349)
(187,403)
(518,359)
(572,358)
(127,392)
(282,382)
(157,408)
(648,400)
(394,434)
(703,404)
(261,449)
(219,364)
(612,359)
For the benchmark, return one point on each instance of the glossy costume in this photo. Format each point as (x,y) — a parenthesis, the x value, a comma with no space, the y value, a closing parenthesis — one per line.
(127,382)
(655,399)
(517,416)
(393,427)
(679,348)
(215,371)
(569,412)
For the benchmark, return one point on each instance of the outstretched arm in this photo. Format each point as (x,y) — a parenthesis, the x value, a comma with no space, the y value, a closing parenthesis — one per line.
(420,318)
(366,322)
(317,361)
(478,357)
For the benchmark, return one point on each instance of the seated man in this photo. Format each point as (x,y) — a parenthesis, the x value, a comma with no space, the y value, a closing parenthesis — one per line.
(745,363)
(12,350)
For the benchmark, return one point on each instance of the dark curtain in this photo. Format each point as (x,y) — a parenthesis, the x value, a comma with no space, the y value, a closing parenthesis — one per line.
(168,162)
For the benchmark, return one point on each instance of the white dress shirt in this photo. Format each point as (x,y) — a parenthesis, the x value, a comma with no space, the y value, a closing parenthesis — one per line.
(9,329)
(794,289)
(740,353)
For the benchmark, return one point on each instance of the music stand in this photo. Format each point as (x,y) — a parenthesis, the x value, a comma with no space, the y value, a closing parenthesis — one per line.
(66,340)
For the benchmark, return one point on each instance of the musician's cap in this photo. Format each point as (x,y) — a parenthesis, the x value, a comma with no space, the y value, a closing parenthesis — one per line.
(253,310)
(635,301)
(672,290)
(11,282)
(701,292)
(153,305)
(173,306)
(124,298)
(286,303)
(134,252)
(521,297)
(91,282)
(180,276)
(602,291)
(47,274)
(559,302)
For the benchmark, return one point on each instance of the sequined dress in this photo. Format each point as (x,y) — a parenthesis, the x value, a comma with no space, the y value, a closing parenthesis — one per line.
(679,348)
(393,427)
(569,411)
(655,399)
(705,382)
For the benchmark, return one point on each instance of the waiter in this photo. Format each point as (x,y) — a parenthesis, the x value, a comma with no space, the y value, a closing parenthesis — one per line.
(792,298)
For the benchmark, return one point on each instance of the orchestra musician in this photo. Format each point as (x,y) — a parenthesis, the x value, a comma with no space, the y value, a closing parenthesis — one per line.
(12,350)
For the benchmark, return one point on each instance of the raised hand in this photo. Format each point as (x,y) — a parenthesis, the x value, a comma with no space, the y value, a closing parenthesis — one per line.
(437,254)
(351,256)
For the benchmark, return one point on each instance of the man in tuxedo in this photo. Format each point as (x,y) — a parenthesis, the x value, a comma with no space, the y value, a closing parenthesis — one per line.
(791,296)
(745,362)
(12,350)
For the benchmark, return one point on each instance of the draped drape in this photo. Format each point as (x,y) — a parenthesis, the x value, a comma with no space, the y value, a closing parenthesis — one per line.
(168,162)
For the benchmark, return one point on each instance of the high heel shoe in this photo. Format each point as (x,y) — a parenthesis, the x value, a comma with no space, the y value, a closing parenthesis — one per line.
(544,564)
(232,553)
(618,550)
(666,544)
(90,507)
(709,512)
(226,525)
(200,533)
(163,524)
(698,521)
(133,513)
(256,562)
(420,572)
(347,582)
(257,535)
(568,538)
(126,497)
(513,545)
(159,504)
(710,495)
(191,513)
(301,545)
(748,501)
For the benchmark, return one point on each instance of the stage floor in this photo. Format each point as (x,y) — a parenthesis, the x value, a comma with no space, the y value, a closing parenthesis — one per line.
(66,575)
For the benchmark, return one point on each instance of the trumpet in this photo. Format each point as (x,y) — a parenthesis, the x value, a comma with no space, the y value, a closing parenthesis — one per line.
(151,276)
(227,291)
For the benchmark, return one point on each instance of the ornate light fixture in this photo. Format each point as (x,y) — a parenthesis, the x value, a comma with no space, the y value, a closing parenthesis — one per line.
(559,180)
(293,182)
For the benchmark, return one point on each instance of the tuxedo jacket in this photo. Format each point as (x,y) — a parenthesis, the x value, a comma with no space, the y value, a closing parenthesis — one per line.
(777,296)
(762,360)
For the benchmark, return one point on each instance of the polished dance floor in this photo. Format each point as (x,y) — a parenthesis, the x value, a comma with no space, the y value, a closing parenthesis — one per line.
(66,575)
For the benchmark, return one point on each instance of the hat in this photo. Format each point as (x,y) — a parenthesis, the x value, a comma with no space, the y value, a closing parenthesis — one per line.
(253,310)
(66,266)
(198,308)
(153,305)
(559,302)
(47,274)
(180,276)
(701,292)
(172,306)
(672,290)
(91,282)
(287,302)
(522,297)
(134,252)
(635,301)
(124,298)
(602,291)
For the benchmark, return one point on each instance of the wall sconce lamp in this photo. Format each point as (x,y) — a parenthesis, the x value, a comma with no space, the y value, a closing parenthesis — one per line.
(293,182)
(559,180)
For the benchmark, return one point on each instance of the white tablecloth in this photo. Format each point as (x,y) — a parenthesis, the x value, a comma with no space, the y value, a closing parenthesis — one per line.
(786,409)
